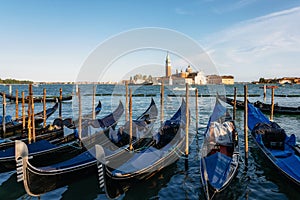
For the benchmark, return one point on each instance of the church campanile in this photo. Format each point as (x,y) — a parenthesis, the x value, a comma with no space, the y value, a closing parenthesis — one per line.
(168,66)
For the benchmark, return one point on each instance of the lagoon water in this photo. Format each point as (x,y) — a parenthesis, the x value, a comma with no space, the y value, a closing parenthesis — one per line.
(258,180)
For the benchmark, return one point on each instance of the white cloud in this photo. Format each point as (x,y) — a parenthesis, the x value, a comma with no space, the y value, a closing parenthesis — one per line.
(232,7)
(264,46)
(181,11)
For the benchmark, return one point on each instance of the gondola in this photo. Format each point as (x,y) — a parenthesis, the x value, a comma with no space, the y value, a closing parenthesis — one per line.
(37,99)
(50,132)
(266,108)
(118,172)
(219,159)
(279,148)
(47,152)
(14,127)
(39,180)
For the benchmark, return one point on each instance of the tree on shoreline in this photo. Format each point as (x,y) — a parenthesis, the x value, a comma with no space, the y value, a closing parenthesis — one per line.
(14,81)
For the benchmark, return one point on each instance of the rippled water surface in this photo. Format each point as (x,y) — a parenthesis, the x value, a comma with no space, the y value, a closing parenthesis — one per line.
(181,180)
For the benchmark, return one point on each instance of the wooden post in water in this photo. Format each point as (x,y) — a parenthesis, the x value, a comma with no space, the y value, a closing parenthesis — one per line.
(265,93)
(272,105)
(126,102)
(23,110)
(187,120)
(10,92)
(17,104)
(196,109)
(4,115)
(60,103)
(246,123)
(44,108)
(130,120)
(29,115)
(162,103)
(32,115)
(234,104)
(93,102)
(79,117)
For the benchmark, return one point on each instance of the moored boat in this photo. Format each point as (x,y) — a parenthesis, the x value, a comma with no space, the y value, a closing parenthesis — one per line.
(39,180)
(266,108)
(278,147)
(14,127)
(46,152)
(118,172)
(37,99)
(219,159)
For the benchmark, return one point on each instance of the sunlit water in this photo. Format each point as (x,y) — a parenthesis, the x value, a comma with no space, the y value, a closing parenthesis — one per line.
(180,180)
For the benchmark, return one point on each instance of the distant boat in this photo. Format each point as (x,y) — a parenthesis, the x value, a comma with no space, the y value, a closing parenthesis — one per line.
(38,99)
(144,83)
(265,107)
(183,88)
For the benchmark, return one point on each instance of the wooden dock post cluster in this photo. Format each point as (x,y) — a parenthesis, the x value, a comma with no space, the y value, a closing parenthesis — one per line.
(31,121)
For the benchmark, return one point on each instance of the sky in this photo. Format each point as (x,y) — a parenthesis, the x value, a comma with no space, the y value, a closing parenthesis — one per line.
(50,40)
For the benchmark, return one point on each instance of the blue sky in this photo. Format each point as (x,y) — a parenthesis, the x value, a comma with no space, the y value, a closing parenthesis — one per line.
(49,40)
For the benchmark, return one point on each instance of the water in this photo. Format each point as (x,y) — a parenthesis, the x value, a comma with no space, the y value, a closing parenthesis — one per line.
(256,181)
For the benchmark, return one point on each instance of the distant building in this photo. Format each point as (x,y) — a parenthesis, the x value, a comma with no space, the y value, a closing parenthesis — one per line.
(168,66)
(228,80)
(182,77)
(289,80)
(213,79)
(216,79)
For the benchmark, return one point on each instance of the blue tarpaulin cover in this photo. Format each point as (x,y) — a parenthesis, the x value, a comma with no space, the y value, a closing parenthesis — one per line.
(217,166)
(255,116)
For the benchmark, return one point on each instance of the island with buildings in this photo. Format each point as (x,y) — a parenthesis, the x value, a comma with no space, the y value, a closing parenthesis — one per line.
(181,77)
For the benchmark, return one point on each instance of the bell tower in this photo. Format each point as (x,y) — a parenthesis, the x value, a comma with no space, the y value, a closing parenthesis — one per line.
(168,66)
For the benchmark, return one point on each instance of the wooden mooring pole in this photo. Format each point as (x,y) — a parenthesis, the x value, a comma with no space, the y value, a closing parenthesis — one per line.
(187,120)
(126,101)
(29,116)
(93,102)
(130,120)
(272,104)
(10,92)
(17,104)
(234,104)
(60,103)
(4,115)
(44,108)
(196,109)
(246,123)
(23,110)
(265,93)
(32,114)
(79,114)
(162,103)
